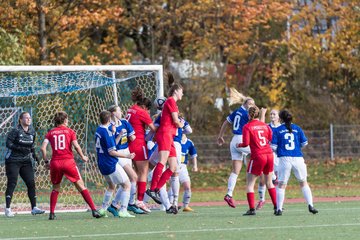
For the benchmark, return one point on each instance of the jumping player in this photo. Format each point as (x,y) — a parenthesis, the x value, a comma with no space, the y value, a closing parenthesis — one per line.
(237,120)
(61,139)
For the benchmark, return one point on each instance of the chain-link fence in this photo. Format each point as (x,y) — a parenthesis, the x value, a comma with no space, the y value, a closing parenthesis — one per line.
(336,142)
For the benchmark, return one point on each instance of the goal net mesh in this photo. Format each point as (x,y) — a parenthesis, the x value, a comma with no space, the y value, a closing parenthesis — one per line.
(83,95)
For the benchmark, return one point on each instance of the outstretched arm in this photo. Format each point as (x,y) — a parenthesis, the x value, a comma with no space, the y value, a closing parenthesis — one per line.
(79,151)
(220,139)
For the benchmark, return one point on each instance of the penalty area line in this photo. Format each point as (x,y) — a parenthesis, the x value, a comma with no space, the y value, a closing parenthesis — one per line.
(184,231)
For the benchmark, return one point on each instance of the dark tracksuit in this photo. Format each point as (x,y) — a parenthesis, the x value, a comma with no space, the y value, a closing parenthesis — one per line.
(18,160)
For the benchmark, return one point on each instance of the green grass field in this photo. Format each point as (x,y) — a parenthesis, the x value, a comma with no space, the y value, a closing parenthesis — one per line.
(337,220)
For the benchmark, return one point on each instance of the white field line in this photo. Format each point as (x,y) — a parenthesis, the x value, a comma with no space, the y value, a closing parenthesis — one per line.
(187,231)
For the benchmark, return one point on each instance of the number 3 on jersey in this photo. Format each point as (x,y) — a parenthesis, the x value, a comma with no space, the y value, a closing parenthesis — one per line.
(290,138)
(59,142)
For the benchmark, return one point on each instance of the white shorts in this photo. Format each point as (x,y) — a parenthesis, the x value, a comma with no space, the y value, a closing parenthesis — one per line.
(295,164)
(238,153)
(124,161)
(183,174)
(117,177)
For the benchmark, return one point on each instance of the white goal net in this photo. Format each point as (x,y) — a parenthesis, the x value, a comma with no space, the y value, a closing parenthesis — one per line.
(83,92)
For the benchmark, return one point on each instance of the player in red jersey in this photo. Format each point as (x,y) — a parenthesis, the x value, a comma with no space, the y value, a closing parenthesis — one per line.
(139,118)
(257,134)
(165,139)
(61,139)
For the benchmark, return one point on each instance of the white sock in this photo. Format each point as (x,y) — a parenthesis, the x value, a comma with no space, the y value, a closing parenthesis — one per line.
(262,190)
(280,196)
(175,186)
(117,198)
(307,194)
(164,198)
(107,196)
(124,199)
(132,193)
(186,198)
(171,195)
(231,183)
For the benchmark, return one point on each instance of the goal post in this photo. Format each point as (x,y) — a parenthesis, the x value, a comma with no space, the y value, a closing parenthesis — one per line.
(83,92)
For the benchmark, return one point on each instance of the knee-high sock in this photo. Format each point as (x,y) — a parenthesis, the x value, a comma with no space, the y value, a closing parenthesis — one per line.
(175,186)
(164,178)
(251,200)
(156,176)
(231,183)
(53,200)
(124,200)
(107,196)
(87,197)
(186,198)
(261,191)
(164,197)
(307,194)
(280,196)
(141,187)
(171,195)
(272,193)
(117,198)
(132,193)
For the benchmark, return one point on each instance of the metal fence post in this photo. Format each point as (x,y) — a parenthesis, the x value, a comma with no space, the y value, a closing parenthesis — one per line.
(331,141)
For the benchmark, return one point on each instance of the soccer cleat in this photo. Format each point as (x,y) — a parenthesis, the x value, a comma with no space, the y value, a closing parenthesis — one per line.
(278,212)
(230,201)
(172,210)
(313,210)
(36,211)
(133,208)
(96,214)
(113,210)
(154,195)
(250,212)
(188,209)
(143,207)
(103,212)
(52,216)
(260,205)
(9,213)
(125,214)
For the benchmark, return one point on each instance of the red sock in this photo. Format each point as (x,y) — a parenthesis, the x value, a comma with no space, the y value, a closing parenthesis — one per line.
(164,178)
(251,200)
(53,200)
(156,176)
(86,195)
(141,188)
(272,193)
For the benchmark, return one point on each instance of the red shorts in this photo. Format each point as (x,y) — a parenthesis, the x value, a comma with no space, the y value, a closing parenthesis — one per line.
(59,168)
(140,149)
(262,163)
(165,142)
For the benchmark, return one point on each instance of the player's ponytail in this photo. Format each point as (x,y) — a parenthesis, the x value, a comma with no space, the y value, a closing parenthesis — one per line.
(253,112)
(286,118)
(236,97)
(173,86)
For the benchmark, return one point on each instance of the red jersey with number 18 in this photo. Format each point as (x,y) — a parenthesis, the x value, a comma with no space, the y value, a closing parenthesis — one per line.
(60,139)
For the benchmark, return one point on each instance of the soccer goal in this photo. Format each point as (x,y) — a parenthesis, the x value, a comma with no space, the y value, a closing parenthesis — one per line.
(83,92)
